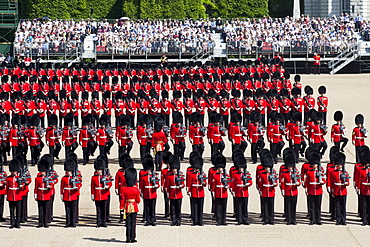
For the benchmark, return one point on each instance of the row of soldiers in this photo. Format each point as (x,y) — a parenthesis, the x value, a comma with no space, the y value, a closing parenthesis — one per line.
(172,181)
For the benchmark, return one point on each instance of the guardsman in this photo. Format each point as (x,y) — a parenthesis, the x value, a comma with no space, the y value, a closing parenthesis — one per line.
(52,105)
(261,105)
(241,181)
(338,131)
(197,133)
(236,102)
(363,184)
(119,107)
(144,135)
(100,191)
(166,107)
(148,185)
(159,140)
(316,63)
(290,179)
(4,139)
(322,102)
(102,137)
(95,106)
(339,180)
(188,106)
(29,108)
(63,107)
(178,134)
(297,101)
(317,133)
(86,139)
(131,108)
(164,173)
(273,104)
(225,106)
(14,187)
(85,104)
(154,105)
(3,176)
(131,197)
(44,184)
(174,184)
(15,136)
(308,102)
(315,178)
(125,162)
(195,184)
(219,187)
(68,136)
(124,136)
(255,135)
(285,105)
(201,104)
(275,136)
(330,167)
(34,139)
(359,134)
(248,106)
(142,105)
(215,133)
(75,107)
(41,107)
(297,134)
(267,181)
(238,133)
(177,105)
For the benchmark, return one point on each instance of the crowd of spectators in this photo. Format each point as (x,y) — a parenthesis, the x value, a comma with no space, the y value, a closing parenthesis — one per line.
(138,37)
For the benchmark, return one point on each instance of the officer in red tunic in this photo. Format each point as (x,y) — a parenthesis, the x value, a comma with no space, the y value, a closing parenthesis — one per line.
(15,137)
(338,131)
(131,108)
(124,136)
(125,163)
(317,133)
(100,190)
(144,135)
(330,167)
(41,107)
(44,186)
(241,181)
(339,180)
(174,184)
(102,137)
(119,107)
(148,185)
(87,139)
(69,136)
(3,176)
(69,192)
(177,105)
(255,135)
(34,139)
(131,197)
(308,101)
(197,133)
(52,105)
(195,183)
(188,106)
(359,134)
(238,133)
(63,107)
(166,107)
(142,105)
(75,107)
(159,140)
(267,181)
(297,101)
(290,179)
(275,136)
(363,184)
(13,193)
(322,102)
(297,134)
(178,134)
(29,108)
(261,105)
(215,133)
(315,178)
(95,106)
(248,106)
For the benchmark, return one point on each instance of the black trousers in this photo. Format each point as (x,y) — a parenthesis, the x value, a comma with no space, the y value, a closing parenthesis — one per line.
(357,154)
(299,149)
(242,146)
(225,120)
(76,121)
(70,148)
(15,213)
(263,120)
(365,209)
(125,149)
(175,211)
(241,206)
(95,120)
(143,151)
(55,150)
(276,149)
(101,212)
(179,149)
(314,203)
(246,119)
(35,154)
(5,148)
(220,210)
(166,205)
(17,150)
(71,208)
(290,203)
(187,120)
(108,209)
(218,147)
(132,121)
(158,160)
(331,207)
(340,209)
(316,69)
(149,207)
(198,148)
(256,148)
(167,119)
(44,212)
(359,205)
(24,208)
(197,205)
(102,150)
(61,121)
(131,226)
(344,140)
(108,146)
(268,210)
(321,147)
(2,199)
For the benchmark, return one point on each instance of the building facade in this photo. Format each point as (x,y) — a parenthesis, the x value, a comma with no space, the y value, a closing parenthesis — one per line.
(328,8)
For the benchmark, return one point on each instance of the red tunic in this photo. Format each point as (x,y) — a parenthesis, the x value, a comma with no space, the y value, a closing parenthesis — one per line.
(13,192)
(217,186)
(131,196)
(148,189)
(173,188)
(98,191)
(41,191)
(194,185)
(240,187)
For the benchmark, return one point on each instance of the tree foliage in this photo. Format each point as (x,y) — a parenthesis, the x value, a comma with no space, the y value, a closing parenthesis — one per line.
(143,9)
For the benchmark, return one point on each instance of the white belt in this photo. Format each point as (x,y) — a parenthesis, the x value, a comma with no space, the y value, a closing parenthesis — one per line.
(220,186)
(125,137)
(42,188)
(196,185)
(14,188)
(318,134)
(290,184)
(85,139)
(69,188)
(238,134)
(366,183)
(256,134)
(337,134)
(242,185)
(197,136)
(149,187)
(69,138)
(338,184)
(99,188)
(144,136)
(179,136)
(277,134)
(297,135)
(103,137)
(34,138)
(174,187)
(16,138)
(217,135)
(359,137)
(267,185)
(314,183)
(53,137)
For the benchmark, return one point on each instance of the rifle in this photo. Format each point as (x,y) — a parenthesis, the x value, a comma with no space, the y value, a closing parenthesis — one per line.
(323,127)
(320,174)
(363,130)
(23,176)
(75,179)
(245,176)
(179,178)
(50,177)
(272,175)
(342,128)
(294,176)
(2,177)
(282,128)
(224,179)
(202,177)
(154,179)
(344,176)
(106,177)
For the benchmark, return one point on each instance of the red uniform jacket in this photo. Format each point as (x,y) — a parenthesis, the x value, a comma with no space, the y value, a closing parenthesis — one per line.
(265,184)
(297,104)
(176,135)
(337,185)
(14,137)
(288,185)
(98,191)
(95,107)
(166,107)
(196,135)
(261,105)
(101,137)
(216,134)
(131,197)
(217,186)
(275,133)
(142,135)
(123,137)
(248,106)
(309,103)
(236,134)
(120,180)
(42,108)
(358,137)
(13,192)
(130,108)
(295,134)
(364,181)
(337,132)
(312,181)
(225,106)
(316,134)
(158,140)
(255,132)
(42,193)
(239,186)
(119,108)
(154,107)
(322,103)
(34,138)
(173,188)
(194,185)
(147,188)
(63,108)
(84,137)
(188,106)
(67,191)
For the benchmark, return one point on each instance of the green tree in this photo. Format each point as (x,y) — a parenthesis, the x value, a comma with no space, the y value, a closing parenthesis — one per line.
(194,9)
(131,9)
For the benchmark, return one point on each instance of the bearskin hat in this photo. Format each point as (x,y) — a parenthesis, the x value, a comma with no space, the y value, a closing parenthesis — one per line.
(103,121)
(339,158)
(314,157)
(95,95)
(166,157)
(118,95)
(289,160)
(332,152)
(68,120)
(267,159)
(44,164)
(131,177)
(70,164)
(86,120)
(297,78)
(63,94)
(176,94)
(308,90)
(106,95)
(164,94)
(220,161)
(177,117)
(359,119)
(125,120)
(322,90)
(198,162)
(200,93)
(296,91)
(365,157)
(338,116)
(174,162)
(284,92)
(85,95)
(100,163)
(297,116)
(35,120)
(15,165)
(148,164)
(237,117)
(224,94)
(74,95)
(144,119)
(41,95)
(240,161)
